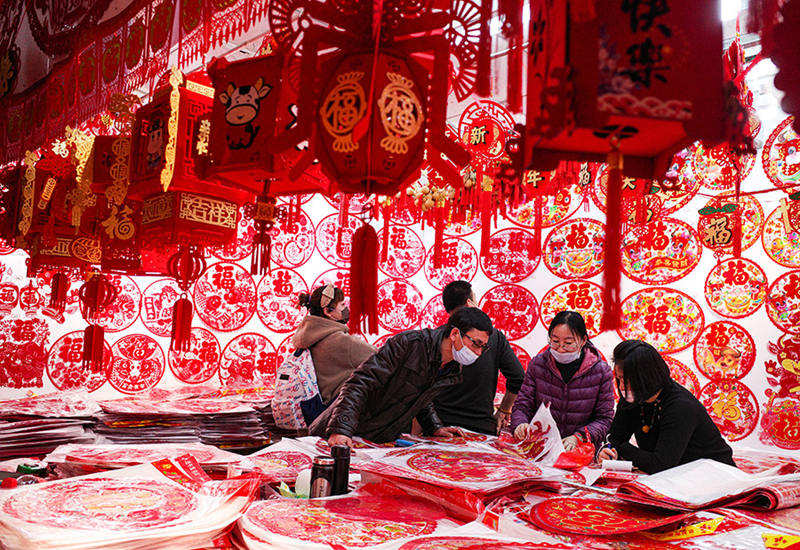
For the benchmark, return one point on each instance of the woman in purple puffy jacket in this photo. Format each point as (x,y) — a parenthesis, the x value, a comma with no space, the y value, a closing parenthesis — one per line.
(572,377)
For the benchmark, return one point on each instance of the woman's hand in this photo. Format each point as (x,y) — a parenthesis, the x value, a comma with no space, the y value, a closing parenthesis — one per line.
(570,442)
(523,432)
(606,454)
(448,431)
(339,439)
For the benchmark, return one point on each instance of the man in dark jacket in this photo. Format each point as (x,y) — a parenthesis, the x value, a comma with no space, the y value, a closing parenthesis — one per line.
(470,404)
(397,384)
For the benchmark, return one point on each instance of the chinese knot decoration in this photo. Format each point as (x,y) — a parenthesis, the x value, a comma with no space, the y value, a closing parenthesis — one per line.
(96,294)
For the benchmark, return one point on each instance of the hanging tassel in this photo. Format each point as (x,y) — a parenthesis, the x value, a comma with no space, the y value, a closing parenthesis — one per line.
(344,206)
(385,235)
(364,281)
(93,348)
(537,228)
(737,233)
(181,325)
(438,238)
(486,223)
(59,288)
(262,249)
(613,244)
(483,86)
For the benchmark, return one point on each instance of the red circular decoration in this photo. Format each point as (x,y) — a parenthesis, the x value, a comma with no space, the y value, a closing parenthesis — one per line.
(5,248)
(584,297)
(736,288)
(780,424)
(292,240)
(157,302)
(200,362)
(405,213)
(510,258)
(349,522)
(574,249)
(513,309)
(281,465)
(484,128)
(725,350)
(85,502)
(555,208)
(225,296)
(406,253)
(356,203)
(682,374)
(654,201)
(781,157)
(463,35)
(434,314)
(668,319)
(716,231)
(591,516)
(399,305)
(337,277)
(249,359)
(783,302)
(463,466)
(459,262)
(468,543)
(65,364)
(732,407)
(277,304)
(523,356)
(137,363)
(9,297)
(124,310)
(716,167)
(660,252)
(780,240)
(242,246)
(284,349)
(336,251)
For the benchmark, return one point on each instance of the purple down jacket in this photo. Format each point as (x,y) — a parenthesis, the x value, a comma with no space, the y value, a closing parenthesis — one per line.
(587,401)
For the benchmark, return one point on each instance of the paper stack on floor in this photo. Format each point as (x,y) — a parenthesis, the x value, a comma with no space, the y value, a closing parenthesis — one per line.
(167,504)
(75,460)
(34,426)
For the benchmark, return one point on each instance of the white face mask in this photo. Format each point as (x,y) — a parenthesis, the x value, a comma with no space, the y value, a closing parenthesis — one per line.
(565,357)
(465,356)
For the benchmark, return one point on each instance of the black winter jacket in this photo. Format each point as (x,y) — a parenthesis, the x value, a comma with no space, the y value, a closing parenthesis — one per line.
(392,387)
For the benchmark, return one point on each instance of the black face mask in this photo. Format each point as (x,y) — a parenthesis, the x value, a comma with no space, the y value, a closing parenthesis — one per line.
(345,316)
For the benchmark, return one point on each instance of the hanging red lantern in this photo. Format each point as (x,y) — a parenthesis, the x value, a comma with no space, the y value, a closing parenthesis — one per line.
(95,294)
(185,267)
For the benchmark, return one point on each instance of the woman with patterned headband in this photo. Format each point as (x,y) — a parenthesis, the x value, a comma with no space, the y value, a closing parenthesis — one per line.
(335,353)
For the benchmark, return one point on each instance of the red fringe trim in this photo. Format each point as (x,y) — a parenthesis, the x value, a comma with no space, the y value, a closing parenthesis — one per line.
(364,281)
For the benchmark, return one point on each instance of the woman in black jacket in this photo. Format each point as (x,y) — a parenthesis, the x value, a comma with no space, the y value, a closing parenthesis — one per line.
(670,425)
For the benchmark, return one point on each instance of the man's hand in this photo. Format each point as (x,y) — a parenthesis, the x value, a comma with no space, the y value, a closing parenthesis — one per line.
(339,439)
(448,431)
(503,419)
(606,454)
(570,442)
(523,432)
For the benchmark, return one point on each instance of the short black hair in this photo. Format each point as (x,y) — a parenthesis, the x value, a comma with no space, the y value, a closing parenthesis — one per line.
(312,301)
(468,318)
(644,371)
(456,294)
(574,321)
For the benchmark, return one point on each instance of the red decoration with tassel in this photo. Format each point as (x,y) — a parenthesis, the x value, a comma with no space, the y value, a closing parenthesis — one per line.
(185,266)
(96,294)
(59,288)
(364,281)
(613,245)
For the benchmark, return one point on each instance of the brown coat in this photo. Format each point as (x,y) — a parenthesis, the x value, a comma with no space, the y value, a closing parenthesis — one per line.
(336,353)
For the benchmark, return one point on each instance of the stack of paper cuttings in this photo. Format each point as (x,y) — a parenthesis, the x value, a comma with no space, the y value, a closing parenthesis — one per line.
(707,484)
(754,461)
(215,421)
(461,478)
(34,426)
(75,460)
(166,504)
(137,420)
(362,451)
(367,518)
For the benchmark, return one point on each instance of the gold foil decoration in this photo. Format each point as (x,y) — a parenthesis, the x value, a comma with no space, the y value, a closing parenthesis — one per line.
(26,209)
(401,113)
(175,81)
(203,137)
(341,110)
(206,210)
